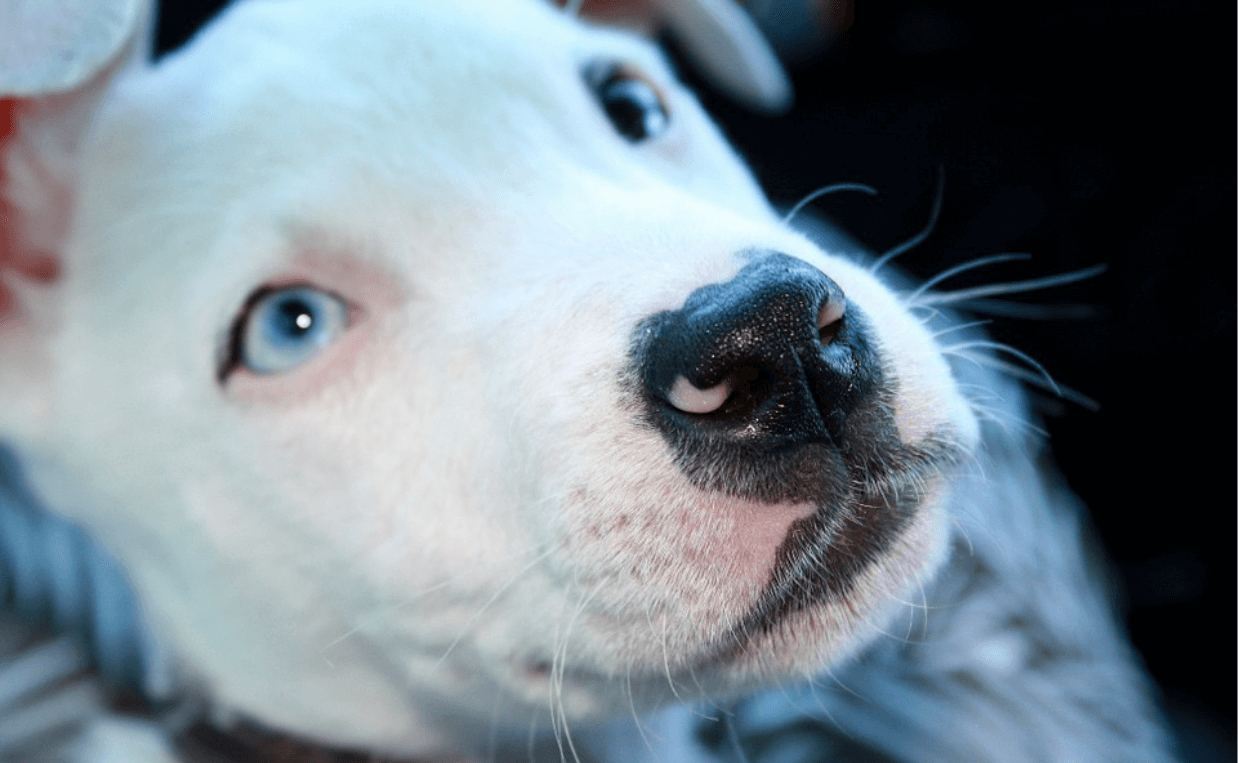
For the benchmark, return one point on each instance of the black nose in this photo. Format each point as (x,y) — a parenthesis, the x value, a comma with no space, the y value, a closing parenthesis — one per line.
(775,358)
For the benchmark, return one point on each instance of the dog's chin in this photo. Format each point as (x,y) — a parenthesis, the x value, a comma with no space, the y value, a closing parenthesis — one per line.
(838,584)
(818,606)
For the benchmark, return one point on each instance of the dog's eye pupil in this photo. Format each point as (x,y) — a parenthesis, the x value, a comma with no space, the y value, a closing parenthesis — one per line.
(296,316)
(633,106)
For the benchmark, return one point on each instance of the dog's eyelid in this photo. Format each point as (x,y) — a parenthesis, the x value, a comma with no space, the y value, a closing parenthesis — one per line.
(597,71)
(229,352)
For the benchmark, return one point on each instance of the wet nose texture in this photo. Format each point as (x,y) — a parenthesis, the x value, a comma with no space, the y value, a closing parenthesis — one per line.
(779,363)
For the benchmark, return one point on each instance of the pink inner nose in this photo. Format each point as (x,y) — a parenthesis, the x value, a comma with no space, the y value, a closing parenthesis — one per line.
(831,312)
(690,399)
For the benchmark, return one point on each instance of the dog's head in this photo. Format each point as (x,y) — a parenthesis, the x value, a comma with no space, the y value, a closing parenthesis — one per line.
(431,363)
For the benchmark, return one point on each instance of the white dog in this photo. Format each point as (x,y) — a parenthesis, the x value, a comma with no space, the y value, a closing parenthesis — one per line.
(445,385)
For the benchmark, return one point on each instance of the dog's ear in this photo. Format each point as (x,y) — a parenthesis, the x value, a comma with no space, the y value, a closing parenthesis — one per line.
(58,59)
(719,36)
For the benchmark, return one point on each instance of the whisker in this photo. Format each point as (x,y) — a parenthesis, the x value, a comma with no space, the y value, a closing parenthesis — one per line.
(924,607)
(412,598)
(700,690)
(1009,424)
(814,684)
(987,532)
(929,315)
(916,240)
(829,672)
(954,297)
(904,640)
(1037,380)
(493,598)
(983,359)
(670,680)
(559,668)
(640,728)
(733,736)
(960,327)
(962,528)
(919,606)
(555,688)
(979,262)
(824,191)
(666,660)
(531,741)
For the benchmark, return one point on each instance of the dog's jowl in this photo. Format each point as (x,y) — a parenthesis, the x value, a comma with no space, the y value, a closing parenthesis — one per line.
(446,388)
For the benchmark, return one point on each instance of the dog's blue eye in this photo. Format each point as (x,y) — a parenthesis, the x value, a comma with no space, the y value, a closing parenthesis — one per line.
(632,104)
(286,327)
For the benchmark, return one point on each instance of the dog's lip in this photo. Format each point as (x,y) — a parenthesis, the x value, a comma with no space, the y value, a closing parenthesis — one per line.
(816,552)
(808,567)
(825,553)
(749,636)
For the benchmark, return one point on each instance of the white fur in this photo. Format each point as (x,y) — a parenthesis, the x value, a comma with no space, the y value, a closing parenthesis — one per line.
(385,547)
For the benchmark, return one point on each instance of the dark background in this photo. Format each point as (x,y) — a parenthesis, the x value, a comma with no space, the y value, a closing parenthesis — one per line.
(1083,133)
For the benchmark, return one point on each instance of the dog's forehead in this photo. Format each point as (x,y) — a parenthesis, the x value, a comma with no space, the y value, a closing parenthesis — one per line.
(278,102)
(282,75)
(409,126)
(427,59)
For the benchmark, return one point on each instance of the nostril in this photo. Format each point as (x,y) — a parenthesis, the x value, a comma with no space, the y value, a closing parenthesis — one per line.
(688,398)
(830,319)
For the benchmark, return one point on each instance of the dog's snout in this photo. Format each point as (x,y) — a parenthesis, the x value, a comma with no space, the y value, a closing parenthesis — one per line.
(775,357)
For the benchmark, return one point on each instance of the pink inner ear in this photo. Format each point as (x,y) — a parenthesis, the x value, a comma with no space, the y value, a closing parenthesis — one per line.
(640,14)
(39,267)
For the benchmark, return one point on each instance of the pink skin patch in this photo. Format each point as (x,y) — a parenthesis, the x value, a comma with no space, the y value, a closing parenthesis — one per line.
(832,312)
(39,267)
(760,528)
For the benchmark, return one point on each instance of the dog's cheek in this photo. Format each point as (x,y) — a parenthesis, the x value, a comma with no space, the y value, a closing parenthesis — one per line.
(643,558)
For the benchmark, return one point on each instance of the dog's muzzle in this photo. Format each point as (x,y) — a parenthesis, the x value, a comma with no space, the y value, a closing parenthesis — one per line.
(770,387)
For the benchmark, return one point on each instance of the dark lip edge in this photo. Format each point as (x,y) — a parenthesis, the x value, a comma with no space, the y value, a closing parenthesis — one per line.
(940,453)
